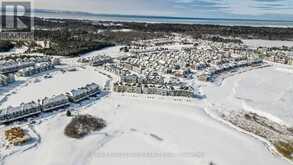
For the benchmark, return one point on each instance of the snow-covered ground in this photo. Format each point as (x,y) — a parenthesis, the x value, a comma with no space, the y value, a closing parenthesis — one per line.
(111,51)
(268,91)
(147,129)
(14,50)
(122,30)
(254,43)
(58,84)
(138,127)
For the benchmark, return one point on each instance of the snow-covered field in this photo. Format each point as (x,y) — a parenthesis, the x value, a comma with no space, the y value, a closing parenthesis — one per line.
(111,51)
(58,84)
(268,91)
(138,126)
(267,43)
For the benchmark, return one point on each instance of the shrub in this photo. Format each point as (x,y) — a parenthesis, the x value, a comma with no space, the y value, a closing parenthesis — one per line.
(83,125)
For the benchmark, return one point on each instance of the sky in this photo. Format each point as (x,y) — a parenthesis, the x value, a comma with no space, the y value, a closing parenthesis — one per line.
(244,9)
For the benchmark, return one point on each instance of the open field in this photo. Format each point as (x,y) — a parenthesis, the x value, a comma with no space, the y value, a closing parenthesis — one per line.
(267,91)
(139,126)
(58,84)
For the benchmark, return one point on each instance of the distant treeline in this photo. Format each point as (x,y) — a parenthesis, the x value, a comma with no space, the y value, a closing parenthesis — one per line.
(64,41)
(200,31)
(72,37)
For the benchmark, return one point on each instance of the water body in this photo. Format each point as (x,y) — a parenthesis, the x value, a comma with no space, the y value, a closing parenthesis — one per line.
(158,19)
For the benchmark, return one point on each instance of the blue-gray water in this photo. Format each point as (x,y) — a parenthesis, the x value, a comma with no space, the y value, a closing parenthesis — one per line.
(150,19)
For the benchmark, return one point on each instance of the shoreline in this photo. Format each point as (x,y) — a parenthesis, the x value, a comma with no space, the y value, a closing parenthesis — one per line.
(163,19)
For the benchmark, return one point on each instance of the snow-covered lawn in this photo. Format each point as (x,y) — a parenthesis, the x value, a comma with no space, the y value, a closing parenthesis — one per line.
(58,84)
(137,125)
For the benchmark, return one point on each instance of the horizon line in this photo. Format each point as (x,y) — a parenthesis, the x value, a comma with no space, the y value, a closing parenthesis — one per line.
(151,16)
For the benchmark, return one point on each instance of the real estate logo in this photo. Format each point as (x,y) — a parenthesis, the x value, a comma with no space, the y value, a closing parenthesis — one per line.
(16,20)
